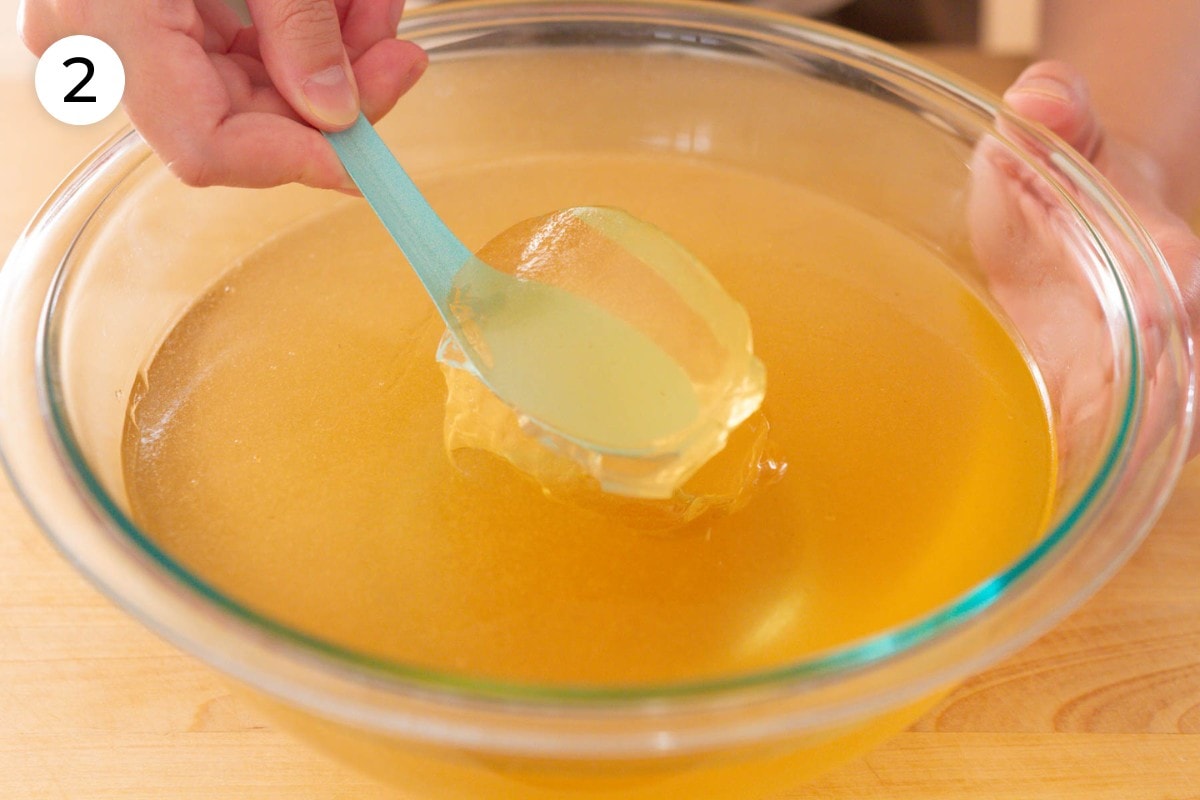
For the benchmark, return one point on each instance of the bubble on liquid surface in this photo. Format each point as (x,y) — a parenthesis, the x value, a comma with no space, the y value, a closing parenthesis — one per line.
(639,275)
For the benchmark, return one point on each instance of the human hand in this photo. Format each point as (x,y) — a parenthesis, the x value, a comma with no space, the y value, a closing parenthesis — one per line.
(1055,95)
(1031,262)
(223,103)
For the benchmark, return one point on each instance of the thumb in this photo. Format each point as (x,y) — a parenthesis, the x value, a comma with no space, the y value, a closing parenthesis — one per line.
(1055,94)
(301,46)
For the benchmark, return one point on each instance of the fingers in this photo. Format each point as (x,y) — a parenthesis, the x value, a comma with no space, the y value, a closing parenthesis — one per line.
(368,22)
(37,27)
(248,88)
(385,72)
(221,24)
(258,150)
(1181,248)
(222,103)
(186,113)
(301,46)
(1054,94)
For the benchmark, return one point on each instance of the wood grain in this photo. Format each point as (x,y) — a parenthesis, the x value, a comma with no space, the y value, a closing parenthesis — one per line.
(94,707)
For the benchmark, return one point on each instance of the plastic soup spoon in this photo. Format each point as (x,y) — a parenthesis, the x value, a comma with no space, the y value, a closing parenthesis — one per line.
(583,377)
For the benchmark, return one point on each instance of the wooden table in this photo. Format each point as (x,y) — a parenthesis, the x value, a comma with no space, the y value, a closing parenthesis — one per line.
(93,706)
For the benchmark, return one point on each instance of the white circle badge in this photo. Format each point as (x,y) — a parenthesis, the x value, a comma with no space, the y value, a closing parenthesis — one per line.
(79,80)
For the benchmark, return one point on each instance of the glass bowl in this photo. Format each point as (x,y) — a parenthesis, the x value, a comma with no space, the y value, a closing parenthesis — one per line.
(121,250)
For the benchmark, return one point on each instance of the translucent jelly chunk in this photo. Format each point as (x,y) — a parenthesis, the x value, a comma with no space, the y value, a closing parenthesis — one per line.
(626,274)
(479,426)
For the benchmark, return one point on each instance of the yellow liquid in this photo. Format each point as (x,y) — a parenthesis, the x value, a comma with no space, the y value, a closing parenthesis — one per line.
(286,444)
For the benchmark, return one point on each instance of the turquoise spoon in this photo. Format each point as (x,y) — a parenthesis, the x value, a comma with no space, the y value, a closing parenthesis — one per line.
(575,370)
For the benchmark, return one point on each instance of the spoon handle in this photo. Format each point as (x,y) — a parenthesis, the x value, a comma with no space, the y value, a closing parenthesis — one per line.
(434,252)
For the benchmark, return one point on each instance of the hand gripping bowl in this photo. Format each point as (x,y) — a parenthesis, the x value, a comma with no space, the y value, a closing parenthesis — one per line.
(121,250)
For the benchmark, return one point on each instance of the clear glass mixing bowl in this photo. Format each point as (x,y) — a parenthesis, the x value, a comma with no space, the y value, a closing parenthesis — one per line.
(121,249)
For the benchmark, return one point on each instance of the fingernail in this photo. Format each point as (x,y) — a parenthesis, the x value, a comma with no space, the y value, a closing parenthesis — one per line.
(395,10)
(1045,86)
(330,97)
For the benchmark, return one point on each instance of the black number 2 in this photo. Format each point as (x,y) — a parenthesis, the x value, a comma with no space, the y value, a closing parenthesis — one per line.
(73,96)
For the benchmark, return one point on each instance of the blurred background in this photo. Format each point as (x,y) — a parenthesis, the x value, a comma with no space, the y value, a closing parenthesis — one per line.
(14,59)
(997,26)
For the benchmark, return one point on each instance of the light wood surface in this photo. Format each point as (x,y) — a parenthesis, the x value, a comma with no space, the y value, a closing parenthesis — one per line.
(92,706)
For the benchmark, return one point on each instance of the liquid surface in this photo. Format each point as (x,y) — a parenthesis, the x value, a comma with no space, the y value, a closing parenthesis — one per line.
(286,444)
